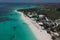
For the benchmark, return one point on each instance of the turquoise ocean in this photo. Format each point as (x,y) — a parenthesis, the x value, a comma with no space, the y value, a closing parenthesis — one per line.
(12,27)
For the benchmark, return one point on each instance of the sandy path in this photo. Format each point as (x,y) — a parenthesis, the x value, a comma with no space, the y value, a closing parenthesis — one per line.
(35,28)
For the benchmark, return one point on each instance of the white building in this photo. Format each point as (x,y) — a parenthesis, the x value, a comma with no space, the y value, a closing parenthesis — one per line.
(56,34)
(41,16)
(29,14)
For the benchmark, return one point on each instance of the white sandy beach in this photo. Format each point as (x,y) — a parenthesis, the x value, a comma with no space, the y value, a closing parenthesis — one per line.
(35,28)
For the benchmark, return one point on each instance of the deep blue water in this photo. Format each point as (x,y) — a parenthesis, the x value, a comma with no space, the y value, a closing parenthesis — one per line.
(12,27)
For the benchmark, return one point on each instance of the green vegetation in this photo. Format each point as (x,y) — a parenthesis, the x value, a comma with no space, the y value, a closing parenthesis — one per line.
(52,14)
(28,10)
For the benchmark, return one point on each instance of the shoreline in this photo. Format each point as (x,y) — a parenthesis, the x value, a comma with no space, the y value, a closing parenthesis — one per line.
(35,28)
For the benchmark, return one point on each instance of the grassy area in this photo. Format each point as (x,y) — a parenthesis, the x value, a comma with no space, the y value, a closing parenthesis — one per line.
(52,14)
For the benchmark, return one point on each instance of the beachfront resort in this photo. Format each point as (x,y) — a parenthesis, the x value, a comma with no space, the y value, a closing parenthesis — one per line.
(43,23)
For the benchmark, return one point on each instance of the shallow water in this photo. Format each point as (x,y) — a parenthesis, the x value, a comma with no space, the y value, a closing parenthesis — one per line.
(12,27)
